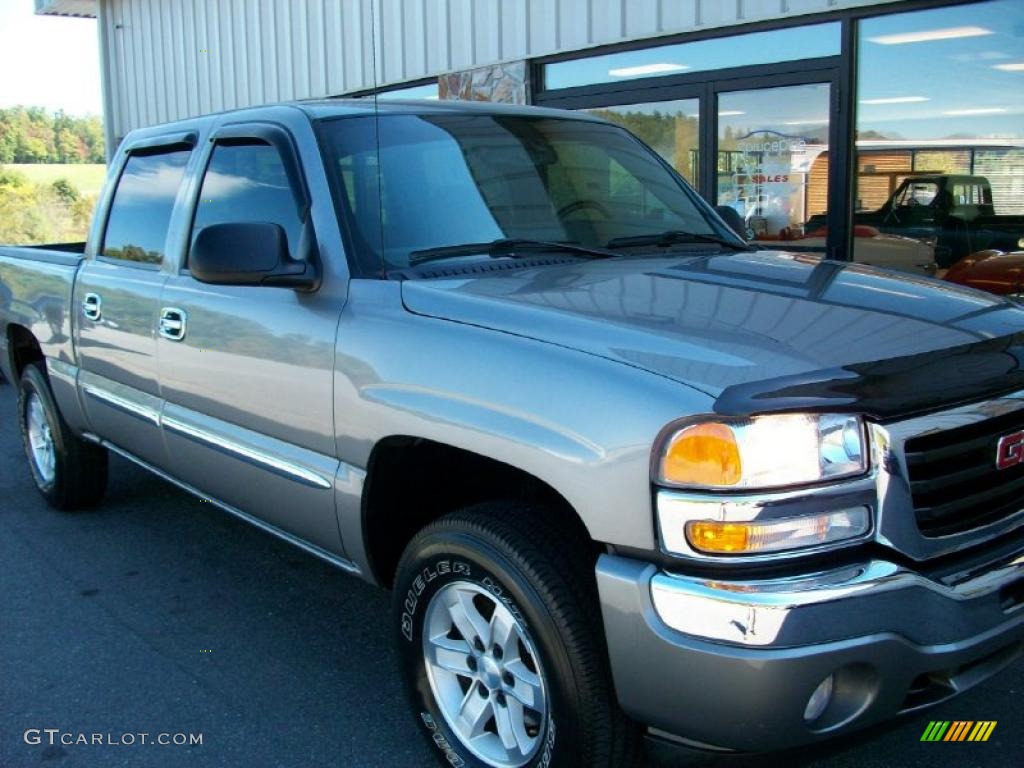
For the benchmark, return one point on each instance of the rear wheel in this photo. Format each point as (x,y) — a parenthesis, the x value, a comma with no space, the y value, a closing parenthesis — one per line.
(501,643)
(68,471)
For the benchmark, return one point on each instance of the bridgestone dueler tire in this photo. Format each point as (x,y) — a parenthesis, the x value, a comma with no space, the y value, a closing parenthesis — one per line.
(80,476)
(541,568)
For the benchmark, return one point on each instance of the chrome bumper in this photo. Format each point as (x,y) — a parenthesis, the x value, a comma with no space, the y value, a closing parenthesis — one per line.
(877,596)
(732,664)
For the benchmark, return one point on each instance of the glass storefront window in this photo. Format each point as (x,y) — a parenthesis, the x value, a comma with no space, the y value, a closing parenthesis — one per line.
(940,143)
(670,128)
(773,162)
(811,41)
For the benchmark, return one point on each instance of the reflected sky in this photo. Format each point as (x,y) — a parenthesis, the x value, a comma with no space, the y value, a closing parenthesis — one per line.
(944,73)
(810,41)
(425,91)
(247,182)
(141,210)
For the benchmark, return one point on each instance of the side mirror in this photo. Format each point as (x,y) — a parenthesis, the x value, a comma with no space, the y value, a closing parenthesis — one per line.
(732,217)
(250,253)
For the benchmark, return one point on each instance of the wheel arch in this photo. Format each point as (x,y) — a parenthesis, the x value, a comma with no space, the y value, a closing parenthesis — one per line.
(23,348)
(412,481)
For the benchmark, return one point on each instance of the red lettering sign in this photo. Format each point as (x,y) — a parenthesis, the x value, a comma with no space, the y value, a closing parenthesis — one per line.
(1010,451)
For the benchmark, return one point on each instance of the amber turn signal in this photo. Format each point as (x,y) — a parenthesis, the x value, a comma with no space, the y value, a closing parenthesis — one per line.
(718,538)
(703,454)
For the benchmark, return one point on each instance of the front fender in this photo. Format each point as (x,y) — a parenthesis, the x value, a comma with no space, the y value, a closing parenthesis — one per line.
(582,424)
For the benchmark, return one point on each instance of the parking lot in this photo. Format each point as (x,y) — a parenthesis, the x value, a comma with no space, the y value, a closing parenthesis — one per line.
(157,613)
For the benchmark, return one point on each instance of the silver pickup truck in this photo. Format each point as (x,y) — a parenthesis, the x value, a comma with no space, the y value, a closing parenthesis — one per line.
(628,480)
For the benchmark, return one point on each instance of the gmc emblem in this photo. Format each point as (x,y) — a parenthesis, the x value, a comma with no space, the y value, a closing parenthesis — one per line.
(1010,451)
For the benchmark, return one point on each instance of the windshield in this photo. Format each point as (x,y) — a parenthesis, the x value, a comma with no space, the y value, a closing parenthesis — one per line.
(439,180)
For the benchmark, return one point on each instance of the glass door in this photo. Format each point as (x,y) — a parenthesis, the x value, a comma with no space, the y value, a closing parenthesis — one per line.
(772,162)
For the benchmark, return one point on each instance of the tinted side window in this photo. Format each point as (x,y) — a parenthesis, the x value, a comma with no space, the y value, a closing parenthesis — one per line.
(247,182)
(141,209)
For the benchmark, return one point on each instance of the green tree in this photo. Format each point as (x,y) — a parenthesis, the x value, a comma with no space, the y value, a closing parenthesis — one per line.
(42,213)
(33,135)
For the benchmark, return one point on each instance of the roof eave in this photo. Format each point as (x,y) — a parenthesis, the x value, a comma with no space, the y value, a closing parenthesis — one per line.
(83,9)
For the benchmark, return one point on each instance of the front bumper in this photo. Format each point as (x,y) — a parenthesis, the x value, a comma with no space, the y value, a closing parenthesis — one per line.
(732,664)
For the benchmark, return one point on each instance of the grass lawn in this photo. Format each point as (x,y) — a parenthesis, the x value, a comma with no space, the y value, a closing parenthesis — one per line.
(87,178)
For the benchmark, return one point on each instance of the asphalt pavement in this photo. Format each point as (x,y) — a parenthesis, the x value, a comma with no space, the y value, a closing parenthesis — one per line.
(159,614)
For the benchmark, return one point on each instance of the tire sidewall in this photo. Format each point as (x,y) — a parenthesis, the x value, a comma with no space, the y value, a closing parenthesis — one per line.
(449,557)
(33,382)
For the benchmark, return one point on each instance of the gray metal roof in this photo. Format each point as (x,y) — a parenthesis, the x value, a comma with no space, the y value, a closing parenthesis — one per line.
(321,108)
(328,108)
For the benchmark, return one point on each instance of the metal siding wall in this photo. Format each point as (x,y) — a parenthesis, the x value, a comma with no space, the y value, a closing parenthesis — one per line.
(514,33)
(392,26)
(487,23)
(169,59)
(638,19)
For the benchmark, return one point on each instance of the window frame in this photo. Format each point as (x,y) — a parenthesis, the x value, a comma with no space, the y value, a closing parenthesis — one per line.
(162,144)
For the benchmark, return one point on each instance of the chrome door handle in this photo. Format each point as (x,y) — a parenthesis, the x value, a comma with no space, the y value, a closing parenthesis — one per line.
(92,306)
(172,323)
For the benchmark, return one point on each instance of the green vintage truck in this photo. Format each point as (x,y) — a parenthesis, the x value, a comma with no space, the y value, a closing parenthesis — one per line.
(954,211)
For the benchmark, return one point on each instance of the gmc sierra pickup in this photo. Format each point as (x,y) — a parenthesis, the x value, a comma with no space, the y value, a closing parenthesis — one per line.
(627,479)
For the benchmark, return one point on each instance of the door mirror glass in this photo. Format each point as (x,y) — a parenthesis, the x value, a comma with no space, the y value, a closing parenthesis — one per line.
(249,253)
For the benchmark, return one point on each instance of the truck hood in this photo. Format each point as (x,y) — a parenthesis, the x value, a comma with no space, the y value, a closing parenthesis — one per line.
(757,331)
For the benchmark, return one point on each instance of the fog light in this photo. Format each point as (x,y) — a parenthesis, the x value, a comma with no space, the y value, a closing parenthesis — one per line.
(819,700)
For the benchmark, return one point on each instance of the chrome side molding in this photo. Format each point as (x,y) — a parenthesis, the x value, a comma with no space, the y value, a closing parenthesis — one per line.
(96,388)
(122,404)
(247,453)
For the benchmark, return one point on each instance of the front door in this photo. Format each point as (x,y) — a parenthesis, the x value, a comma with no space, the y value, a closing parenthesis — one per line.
(247,371)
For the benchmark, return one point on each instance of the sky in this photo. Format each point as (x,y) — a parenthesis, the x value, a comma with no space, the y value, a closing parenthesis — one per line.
(48,61)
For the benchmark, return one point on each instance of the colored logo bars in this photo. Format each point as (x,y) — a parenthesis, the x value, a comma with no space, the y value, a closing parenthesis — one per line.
(959,730)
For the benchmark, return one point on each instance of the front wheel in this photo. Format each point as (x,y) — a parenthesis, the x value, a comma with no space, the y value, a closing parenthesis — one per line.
(501,643)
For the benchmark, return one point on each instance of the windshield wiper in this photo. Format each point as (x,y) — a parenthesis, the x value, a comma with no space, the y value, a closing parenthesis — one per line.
(673,236)
(504,247)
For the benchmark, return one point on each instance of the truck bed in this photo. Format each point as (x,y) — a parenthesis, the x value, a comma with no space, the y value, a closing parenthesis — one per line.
(36,285)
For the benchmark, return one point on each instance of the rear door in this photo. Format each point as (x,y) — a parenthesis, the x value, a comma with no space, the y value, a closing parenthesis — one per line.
(247,371)
(117,295)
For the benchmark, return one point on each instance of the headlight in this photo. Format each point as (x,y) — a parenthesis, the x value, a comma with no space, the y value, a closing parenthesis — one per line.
(763,452)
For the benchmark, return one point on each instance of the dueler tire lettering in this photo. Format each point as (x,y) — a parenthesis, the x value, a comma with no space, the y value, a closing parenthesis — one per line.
(429,573)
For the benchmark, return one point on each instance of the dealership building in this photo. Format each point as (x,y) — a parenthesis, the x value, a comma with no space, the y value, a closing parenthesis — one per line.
(796,113)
